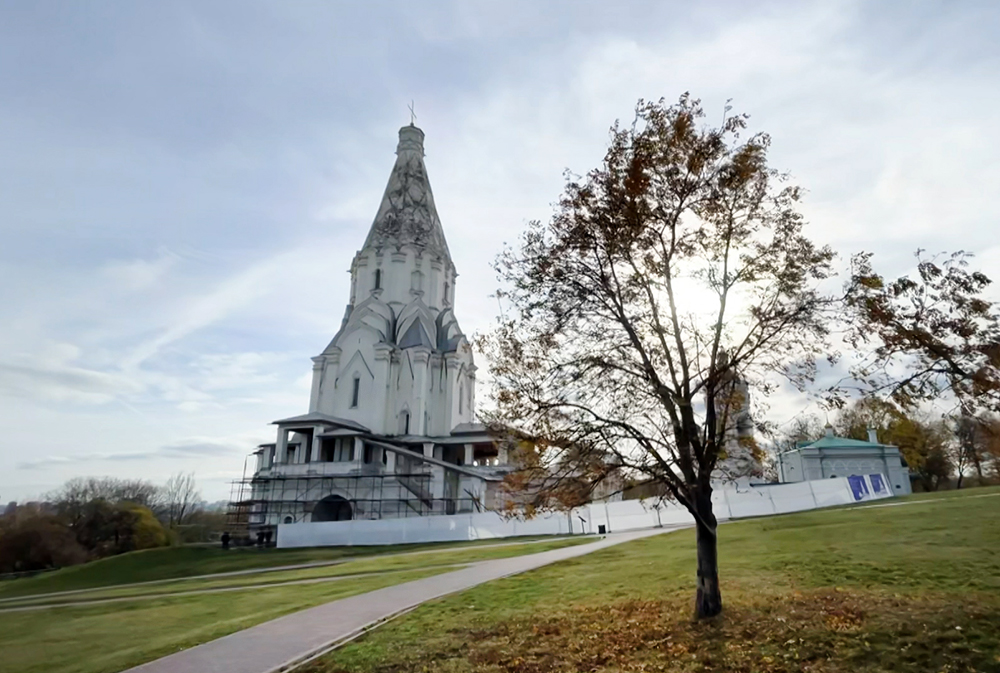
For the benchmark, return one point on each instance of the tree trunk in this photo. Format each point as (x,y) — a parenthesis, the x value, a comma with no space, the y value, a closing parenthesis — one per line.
(708,599)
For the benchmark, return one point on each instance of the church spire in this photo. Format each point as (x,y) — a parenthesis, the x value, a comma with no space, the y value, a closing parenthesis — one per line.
(407,215)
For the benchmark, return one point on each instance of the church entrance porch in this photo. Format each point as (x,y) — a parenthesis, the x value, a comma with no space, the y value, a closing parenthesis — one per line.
(333,508)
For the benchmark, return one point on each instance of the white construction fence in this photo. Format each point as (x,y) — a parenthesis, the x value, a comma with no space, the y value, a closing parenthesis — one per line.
(730,502)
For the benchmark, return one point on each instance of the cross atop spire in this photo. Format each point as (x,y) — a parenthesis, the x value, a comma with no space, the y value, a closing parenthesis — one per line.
(413,115)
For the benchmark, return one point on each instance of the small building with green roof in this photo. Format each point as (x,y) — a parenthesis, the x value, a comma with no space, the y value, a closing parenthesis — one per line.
(831,456)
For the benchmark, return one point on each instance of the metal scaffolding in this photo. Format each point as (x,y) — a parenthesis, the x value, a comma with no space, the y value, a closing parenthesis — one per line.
(364,486)
(262,501)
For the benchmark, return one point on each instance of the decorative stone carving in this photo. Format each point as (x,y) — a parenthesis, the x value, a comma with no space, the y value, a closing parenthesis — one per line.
(407,215)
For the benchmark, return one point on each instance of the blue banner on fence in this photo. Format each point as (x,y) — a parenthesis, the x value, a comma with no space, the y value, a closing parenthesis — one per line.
(858,487)
(878,484)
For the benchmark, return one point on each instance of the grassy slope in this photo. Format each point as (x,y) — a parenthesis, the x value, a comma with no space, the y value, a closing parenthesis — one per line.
(111,637)
(176,562)
(909,588)
(103,639)
(388,563)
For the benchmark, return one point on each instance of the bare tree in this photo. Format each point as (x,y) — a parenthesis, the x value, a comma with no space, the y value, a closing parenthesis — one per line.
(180,495)
(671,278)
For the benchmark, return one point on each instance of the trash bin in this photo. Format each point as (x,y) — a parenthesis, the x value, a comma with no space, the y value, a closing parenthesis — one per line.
(602,529)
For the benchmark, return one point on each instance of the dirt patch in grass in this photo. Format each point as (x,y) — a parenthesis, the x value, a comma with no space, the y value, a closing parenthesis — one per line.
(823,630)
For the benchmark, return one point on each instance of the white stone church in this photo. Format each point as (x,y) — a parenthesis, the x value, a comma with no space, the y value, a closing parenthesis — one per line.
(390,430)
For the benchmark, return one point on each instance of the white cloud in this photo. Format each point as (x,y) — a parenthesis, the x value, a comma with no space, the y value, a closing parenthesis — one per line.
(169,268)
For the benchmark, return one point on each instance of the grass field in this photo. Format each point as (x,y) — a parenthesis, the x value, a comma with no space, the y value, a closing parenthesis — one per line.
(108,637)
(395,562)
(907,588)
(176,562)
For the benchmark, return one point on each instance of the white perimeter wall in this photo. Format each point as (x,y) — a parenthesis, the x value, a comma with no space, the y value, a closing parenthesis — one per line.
(731,502)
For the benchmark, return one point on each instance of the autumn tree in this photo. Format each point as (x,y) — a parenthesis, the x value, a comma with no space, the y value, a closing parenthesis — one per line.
(854,421)
(73,497)
(933,337)
(926,444)
(114,528)
(36,540)
(668,275)
(977,447)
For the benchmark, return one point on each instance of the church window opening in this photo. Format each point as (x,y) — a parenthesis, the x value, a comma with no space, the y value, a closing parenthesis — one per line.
(356,392)
(417,281)
(446,299)
(288,519)
(378,279)
(343,451)
(404,423)
(461,396)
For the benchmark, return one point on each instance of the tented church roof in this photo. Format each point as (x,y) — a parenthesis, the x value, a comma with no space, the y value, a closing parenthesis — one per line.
(407,215)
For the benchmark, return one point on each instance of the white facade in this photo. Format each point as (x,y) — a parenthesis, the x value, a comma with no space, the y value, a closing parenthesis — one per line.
(834,457)
(390,429)
(400,364)
(729,502)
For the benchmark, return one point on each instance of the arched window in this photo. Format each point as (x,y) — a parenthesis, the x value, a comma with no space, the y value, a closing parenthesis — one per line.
(378,279)
(461,396)
(404,423)
(356,392)
(446,299)
(416,281)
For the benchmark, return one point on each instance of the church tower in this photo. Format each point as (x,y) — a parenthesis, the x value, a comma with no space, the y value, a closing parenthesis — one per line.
(400,365)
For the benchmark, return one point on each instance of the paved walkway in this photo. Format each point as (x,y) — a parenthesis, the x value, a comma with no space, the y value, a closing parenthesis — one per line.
(269,569)
(275,645)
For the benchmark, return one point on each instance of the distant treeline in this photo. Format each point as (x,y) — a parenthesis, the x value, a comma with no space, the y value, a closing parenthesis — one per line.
(93,517)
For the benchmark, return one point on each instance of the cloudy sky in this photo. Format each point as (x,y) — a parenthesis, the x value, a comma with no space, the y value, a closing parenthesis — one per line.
(183,184)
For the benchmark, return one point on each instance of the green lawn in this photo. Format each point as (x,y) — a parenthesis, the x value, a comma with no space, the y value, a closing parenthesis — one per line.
(178,562)
(107,638)
(377,564)
(907,588)
(104,638)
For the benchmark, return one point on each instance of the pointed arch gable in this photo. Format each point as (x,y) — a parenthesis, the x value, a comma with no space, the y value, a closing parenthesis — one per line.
(416,311)
(407,368)
(353,366)
(373,314)
(449,334)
